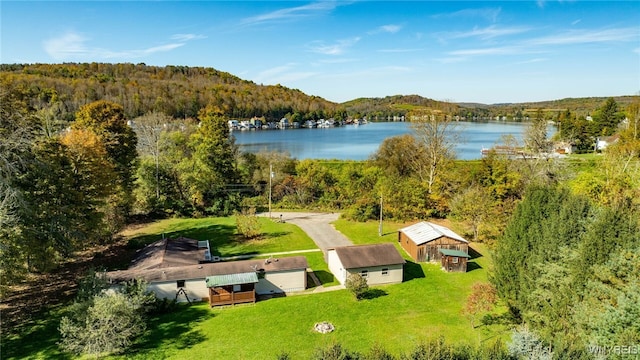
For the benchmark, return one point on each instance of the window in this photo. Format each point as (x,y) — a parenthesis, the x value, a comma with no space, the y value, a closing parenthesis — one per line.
(385,271)
(180,283)
(364,273)
(454,260)
(237,288)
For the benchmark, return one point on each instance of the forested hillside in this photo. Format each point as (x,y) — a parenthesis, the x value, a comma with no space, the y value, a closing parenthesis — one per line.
(178,91)
(181,91)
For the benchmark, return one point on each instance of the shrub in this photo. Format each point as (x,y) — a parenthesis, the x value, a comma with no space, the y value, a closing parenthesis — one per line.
(109,325)
(248,224)
(526,344)
(335,352)
(357,285)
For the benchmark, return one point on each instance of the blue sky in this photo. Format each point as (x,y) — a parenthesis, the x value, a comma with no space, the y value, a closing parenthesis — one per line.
(474,51)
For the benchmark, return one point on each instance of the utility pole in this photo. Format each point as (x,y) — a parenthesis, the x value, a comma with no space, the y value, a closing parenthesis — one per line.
(380,227)
(270,177)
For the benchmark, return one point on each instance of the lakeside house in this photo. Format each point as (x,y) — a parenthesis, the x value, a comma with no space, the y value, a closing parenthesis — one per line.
(425,241)
(603,142)
(183,269)
(378,263)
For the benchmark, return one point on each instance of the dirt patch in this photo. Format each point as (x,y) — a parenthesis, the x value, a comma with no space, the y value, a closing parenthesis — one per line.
(41,292)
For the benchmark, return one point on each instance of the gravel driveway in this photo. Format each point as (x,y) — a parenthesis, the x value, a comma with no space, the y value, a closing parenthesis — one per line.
(317,225)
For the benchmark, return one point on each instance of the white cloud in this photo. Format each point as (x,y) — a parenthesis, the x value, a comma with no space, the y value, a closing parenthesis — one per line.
(541,44)
(293,13)
(73,46)
(452,59)
(282,74)
(484,33)
(500,50)
(390,28)
(531,61)
(589,36)
(68,45)
(400,50)
(332,49)
(335,61)
(490,14)
(575,22)
(187,37)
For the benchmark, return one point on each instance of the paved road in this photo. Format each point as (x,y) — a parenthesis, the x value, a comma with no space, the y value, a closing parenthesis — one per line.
(317,225)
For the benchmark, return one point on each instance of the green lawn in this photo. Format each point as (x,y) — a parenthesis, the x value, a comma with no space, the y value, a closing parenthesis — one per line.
(427,304)
(221,233)
(398,317)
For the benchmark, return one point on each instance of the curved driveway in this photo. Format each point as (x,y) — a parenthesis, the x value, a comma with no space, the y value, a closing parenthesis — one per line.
(317,225)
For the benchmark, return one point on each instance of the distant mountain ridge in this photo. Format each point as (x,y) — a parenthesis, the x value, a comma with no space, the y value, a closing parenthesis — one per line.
(181,91)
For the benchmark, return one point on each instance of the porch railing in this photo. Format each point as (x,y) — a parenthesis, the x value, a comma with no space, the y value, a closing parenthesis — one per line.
(232,298)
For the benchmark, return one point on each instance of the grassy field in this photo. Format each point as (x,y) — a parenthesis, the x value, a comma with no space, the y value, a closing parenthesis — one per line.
(221,233)
(398,317)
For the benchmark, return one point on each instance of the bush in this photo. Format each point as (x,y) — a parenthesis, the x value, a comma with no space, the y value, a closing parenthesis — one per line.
(357,285)
(335,352)
(111,322)
(526,344)
(248,224)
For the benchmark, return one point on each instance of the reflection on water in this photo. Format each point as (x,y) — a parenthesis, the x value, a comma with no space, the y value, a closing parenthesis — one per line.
(359,142)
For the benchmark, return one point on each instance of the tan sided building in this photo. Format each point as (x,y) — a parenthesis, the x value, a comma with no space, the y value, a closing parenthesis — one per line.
(378,263)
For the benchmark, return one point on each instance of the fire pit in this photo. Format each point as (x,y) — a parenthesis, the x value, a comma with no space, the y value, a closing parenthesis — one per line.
(324,327)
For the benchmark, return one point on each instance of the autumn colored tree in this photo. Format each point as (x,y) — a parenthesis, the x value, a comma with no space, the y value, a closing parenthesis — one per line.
(108,122)
(482,299)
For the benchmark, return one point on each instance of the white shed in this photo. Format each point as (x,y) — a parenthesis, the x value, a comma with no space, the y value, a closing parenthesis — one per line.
(378,263)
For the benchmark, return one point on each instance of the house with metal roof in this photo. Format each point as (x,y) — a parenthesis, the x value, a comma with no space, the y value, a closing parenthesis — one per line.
(424,240)
(178,269)
(378,263)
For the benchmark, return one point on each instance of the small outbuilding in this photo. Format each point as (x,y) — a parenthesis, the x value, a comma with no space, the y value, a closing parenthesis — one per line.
(424,240)
(454,260)
(378,263)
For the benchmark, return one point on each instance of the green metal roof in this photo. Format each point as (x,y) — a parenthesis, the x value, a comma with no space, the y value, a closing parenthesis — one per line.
(231,279)
(457,253)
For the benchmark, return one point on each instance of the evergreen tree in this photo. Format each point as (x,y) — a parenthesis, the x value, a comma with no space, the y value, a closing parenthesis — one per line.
(607,118)
(212,169)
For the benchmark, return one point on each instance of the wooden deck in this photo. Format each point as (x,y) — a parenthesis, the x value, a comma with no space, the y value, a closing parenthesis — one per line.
(232,298)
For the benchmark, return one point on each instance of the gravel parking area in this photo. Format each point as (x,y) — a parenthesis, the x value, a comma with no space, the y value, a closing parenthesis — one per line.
(317,225)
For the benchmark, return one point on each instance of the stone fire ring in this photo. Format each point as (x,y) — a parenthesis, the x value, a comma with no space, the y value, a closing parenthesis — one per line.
(323,327)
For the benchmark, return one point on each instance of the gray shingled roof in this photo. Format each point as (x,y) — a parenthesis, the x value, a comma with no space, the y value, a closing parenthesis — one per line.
(424,232)
(359,256)
(168,253)
(201,271)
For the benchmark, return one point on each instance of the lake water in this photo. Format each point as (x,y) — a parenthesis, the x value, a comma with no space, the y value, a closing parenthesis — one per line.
(358,142)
